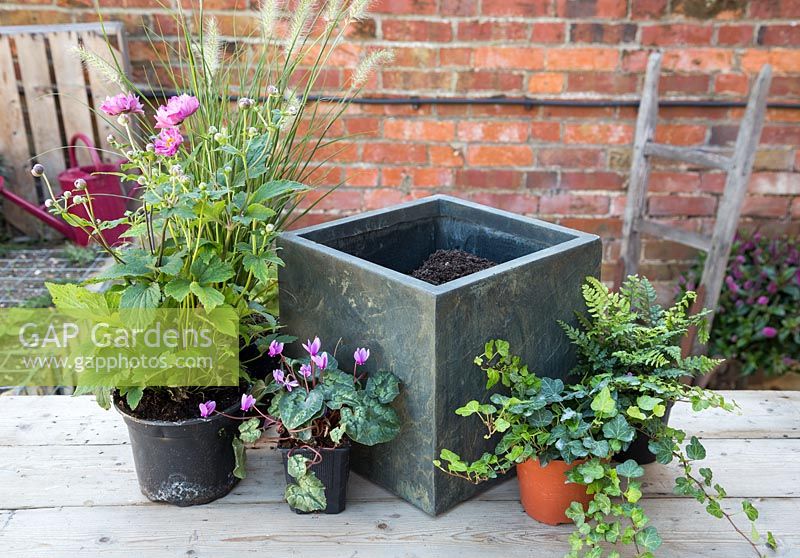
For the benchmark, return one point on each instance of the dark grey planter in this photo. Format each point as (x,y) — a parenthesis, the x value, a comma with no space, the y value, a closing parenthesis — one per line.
(348,280)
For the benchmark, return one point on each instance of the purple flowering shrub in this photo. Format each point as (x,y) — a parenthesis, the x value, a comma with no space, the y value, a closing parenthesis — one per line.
(758,317)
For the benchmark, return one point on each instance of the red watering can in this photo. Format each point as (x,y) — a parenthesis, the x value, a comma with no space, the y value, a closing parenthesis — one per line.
(108,198)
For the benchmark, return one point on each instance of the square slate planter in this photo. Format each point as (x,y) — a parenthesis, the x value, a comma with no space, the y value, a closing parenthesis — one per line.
(348,280)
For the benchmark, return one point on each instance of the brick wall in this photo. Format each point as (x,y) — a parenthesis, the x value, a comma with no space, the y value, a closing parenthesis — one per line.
(568,165)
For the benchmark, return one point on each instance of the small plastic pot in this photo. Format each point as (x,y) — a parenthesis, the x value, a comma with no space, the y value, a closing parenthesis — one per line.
(333,471)
(545,492)
(183,463)
(638,450)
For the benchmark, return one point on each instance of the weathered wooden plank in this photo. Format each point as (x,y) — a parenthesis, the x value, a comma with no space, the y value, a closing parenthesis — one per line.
(54,420)
(693,156)
(75,110)
(35,73)
(371,529)
(689,238)
(105,475)
(14,145)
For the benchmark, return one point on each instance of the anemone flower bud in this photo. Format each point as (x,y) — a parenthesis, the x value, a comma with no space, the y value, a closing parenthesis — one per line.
(37,170)
(270,227)
(312,347)
(48,203)
(321,360)
(247,401)
(275,348)
(67,195)
(76,200)
(207,408)
(246,103)
(123,119)
(361,356)
(272,90)
(110,138)
(80,184)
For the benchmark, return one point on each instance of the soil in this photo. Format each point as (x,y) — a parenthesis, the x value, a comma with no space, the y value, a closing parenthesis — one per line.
(447,265)
(166,404)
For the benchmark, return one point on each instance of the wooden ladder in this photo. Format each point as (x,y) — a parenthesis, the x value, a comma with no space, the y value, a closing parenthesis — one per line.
(738,166)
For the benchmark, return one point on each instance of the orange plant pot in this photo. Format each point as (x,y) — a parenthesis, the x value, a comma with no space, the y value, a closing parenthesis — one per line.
(545,492)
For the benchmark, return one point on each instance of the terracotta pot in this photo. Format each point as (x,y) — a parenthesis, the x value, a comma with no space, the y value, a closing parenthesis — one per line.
(545,492)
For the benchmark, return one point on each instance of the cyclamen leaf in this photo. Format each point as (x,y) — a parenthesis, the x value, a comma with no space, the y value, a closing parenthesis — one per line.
(296,465)
(249,431)
(240,456)
(370,423)
(383,386)
(298,407)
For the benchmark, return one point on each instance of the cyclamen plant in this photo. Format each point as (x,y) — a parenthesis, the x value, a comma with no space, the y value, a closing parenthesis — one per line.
(316,406)
(757,322)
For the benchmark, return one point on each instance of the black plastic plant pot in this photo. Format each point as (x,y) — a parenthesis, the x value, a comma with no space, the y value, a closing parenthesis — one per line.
(183,463)
(333,471)
(638,450)
(349,280)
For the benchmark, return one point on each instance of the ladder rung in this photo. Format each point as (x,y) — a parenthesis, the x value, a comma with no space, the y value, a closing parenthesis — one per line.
(688,155)
(688,238)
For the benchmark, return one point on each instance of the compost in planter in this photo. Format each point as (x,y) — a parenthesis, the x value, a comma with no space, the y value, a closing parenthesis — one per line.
(444,266)
(333,471)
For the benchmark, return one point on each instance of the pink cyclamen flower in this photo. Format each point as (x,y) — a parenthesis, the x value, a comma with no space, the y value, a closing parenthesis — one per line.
(176,110)
(275,348)
(207,408)
(763,300)
(361,356)
(247,401)
(321,360)
(769,332)
(122,104)
(168,142)
(280,377)
(305,370)
(313,347)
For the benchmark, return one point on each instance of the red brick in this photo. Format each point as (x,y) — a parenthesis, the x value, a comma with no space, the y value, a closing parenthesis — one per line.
(545,82)
(691,60)
(695,84)
(783,183)
(362,125)
(446,156)
(339,199)
(736,84)
(695,206)
(518,203)
(455,56)
(389,153)
(782,60)
(782,135)
(479,179)
(414,57)
(414,30)
(676,34)
(573,204)
(602,82)
(383,197)
(492,31)
(440,178)
(541,180)
(364,177)
(668,251)
(488,81)
(796,208)
(634,60)
(571,158)
(518,58)
(458,7)
(549,33)
(412,80)
(493,131)
(648,9)
(545,131)
(522,8)
(362,30)
(680,134)
(604,33)
(734,35)
(413,7)
(765,206)
(607,228)
(591,8)
(661,181)
(592,181)
(419,130)
(779,35)
(598,133)
(582,59)
(785,86)
(772,9)
(500,155)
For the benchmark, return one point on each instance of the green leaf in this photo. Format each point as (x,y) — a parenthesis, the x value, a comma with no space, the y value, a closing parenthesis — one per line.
(634,412)
(133,396)
(77,297)
(647,403)
(215,271)
(540,417)
(370,423)
(663,449)
(172,264)
(298,407)
(383,386)
(209,297)
(178,288)
(603,403)
(551,390)
(249,431)
(648,538)
(276,189)
(749,510)
(634,493)
(630,469)
(619,429)
(591,471)
(239,470)
(714,509)
(771,542)
(296,466)
(307,494)
(695,450)
(258,266)
(141,295)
